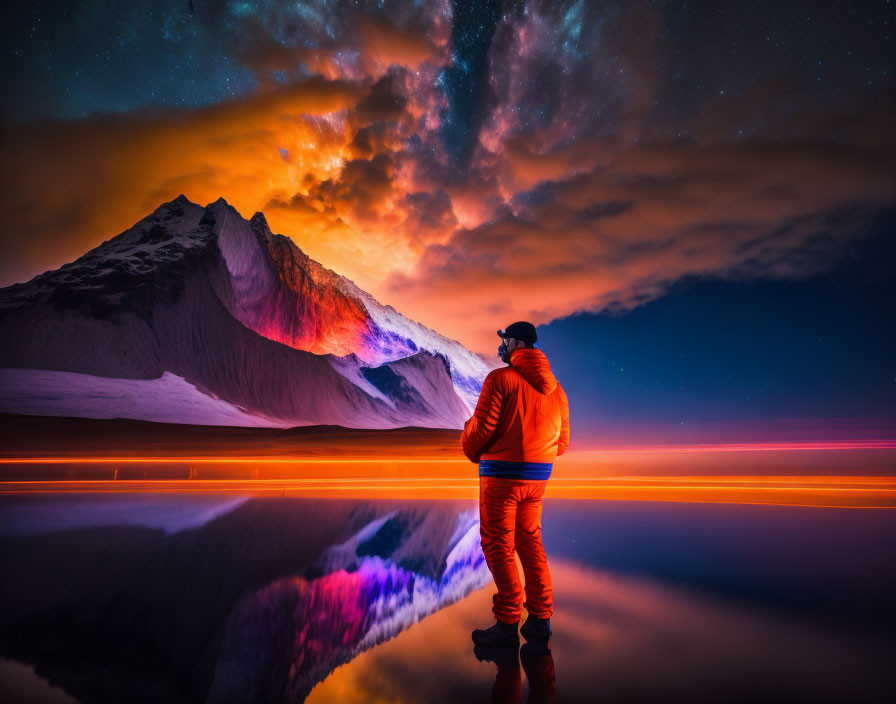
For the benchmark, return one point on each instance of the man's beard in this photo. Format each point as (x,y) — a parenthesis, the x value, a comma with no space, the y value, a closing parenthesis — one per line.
(503,354)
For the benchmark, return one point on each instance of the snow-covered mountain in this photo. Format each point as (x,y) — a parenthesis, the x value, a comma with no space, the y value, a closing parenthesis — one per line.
(198,315)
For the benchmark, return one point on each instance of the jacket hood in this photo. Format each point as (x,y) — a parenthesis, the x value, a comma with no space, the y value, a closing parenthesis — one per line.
(532,363)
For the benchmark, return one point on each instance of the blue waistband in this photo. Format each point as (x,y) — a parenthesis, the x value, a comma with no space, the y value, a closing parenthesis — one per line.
(515,470)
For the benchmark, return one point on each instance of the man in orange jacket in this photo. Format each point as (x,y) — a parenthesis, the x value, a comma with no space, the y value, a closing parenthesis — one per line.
(521,423)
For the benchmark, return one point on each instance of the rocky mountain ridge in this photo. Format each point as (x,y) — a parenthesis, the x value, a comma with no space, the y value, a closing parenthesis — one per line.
(237,313)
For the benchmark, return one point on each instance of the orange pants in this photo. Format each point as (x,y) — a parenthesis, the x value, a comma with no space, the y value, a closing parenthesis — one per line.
(510,521)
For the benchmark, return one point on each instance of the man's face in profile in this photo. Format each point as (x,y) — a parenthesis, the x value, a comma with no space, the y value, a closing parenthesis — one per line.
(508,345)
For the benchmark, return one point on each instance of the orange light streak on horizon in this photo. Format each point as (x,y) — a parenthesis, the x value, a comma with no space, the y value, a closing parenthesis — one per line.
(834,492)
(743,447)
(573,455)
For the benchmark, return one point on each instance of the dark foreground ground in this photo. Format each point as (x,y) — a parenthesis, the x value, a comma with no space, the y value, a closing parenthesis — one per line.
(46,436)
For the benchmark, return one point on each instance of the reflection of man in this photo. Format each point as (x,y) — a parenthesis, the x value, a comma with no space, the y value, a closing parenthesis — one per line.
(538,664)
(521,423)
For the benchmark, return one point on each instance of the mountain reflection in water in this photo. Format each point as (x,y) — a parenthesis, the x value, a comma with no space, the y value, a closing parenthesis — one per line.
(257,604)
(191,598)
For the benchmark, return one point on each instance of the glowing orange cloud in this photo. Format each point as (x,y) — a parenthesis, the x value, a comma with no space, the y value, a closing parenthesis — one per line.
(77,183)
(293,153)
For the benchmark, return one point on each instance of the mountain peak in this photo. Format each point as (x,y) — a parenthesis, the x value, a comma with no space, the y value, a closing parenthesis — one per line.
(259,225)
(176,206)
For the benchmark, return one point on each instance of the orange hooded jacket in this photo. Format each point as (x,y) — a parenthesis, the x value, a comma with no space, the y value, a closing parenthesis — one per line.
(522,414)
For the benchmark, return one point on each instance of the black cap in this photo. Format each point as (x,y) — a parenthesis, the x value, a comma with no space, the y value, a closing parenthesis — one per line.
(520,330)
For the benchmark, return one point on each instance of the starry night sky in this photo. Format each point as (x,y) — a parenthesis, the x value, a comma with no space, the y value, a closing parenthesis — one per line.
(686,197)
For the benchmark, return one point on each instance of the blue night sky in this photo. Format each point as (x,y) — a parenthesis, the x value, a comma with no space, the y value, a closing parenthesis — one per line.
(713,350)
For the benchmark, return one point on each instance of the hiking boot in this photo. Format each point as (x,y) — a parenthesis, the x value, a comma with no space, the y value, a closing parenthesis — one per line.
(536,629)
(501,635)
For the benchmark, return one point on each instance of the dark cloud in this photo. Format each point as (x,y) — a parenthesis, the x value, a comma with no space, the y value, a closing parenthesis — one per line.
(363,187)
(383,102)
(430,217)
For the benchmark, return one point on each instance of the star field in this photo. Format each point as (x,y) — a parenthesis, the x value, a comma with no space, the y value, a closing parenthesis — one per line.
(74,59)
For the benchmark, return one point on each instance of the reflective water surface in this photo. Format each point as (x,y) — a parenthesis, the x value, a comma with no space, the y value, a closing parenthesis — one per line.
(223,598)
